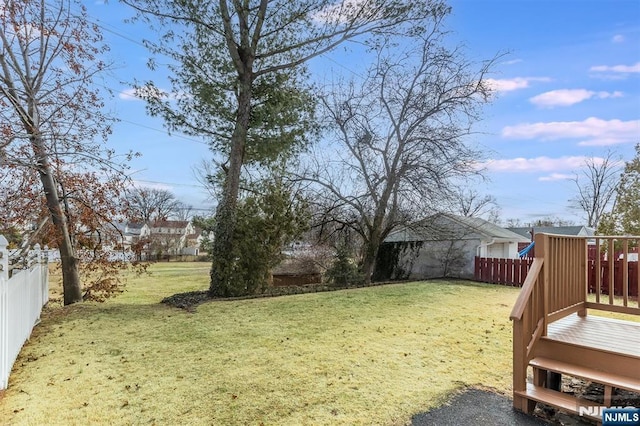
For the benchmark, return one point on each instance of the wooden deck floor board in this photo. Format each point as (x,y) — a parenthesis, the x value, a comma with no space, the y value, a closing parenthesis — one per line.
(598,332)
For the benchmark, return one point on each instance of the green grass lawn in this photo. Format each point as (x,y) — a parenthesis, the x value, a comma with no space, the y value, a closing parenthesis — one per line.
(375,355)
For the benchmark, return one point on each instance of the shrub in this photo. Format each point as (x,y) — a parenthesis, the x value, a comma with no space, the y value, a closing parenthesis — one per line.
(343,270)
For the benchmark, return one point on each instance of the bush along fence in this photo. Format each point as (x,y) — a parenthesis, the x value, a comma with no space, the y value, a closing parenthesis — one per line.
(513,272)
(24,290)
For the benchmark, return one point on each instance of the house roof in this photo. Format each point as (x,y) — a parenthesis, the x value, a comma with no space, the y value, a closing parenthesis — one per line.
(170,224)
(446,226)
(555,230)
(129,228)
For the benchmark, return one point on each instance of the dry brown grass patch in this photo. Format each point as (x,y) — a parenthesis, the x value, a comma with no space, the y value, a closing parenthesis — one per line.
(368,356)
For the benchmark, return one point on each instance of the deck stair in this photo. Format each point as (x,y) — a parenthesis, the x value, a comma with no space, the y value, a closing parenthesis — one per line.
(559,400)
(608,380)
(568,402)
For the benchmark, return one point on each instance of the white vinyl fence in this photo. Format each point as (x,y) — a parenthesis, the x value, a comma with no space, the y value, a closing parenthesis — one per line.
(24,290)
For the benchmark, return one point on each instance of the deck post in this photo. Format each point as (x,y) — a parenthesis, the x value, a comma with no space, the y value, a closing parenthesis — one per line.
(554,381)
(519,368)
(540,376)
(542,243)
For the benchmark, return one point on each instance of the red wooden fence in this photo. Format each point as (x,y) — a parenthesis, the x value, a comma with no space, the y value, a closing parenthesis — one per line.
(617,277)
(502,271)
(514,271)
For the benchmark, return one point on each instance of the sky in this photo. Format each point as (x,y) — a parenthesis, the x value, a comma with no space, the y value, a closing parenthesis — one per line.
(568,89)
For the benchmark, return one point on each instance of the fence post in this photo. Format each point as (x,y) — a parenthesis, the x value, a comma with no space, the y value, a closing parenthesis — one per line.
(36,290)
(4,314)
(4,259)
(45,278)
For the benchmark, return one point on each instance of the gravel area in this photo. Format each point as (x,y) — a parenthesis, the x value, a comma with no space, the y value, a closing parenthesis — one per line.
(475,407)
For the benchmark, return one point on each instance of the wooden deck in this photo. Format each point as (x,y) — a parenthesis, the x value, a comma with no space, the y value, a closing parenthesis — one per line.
(557,328)
(605,334)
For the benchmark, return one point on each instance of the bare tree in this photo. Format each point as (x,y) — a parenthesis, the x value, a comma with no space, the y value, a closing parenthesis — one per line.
(182,212)
(236,57)
(513,222)
(470,203)
(399,137)
(624,217)
(150,204)
(205,173)
(551,221)
(50,114)
(596,186)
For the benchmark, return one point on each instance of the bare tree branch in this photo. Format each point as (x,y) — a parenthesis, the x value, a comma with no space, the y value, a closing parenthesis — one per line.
(399,141)
(596,186)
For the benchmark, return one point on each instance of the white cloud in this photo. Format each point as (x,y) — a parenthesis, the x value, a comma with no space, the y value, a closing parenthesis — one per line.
(567,97)
(342,12)
(618,38)
(555,176)
(511,84)
(605,95)
(138,94)
(617,68)
(538,164)
(512,62)
(138,184)
(591,132)
(562,97)
(129,95)
(555,169)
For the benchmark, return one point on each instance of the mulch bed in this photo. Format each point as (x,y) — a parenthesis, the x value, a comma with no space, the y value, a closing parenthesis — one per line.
(187,301)
(191,299)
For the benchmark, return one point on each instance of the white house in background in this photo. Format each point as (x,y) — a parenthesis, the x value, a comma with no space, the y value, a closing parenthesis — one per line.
(129,233)
(194,241)
(443,245)
(167,236)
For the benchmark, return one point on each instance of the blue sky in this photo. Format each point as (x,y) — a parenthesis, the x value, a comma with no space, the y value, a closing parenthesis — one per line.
(569,89)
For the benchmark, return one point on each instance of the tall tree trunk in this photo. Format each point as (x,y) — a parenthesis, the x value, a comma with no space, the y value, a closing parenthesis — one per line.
(371,249)
(369,259)
(70,276)
(375,234)
(223,264)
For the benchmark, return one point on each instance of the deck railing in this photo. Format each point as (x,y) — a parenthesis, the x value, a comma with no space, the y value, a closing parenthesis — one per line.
(513,272)
(617,249)
(557,286)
